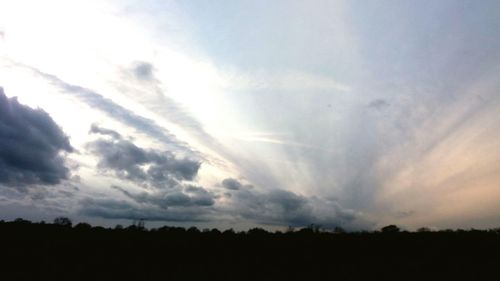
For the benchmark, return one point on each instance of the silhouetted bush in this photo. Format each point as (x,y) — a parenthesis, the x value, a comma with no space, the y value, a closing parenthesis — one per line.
(424,229)
(390,229)
(83,226)
(257,231)
(229,232)
(193,229)
(63,221)
(21,221)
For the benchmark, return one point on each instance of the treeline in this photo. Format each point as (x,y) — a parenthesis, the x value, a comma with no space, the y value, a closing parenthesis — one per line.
(140,225)
(63,251)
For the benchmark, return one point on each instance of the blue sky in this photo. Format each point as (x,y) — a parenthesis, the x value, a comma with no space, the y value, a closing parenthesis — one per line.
(269,113)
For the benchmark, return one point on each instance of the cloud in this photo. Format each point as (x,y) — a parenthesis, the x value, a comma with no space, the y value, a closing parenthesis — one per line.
(275,207)
(168,193)
(95,129)
(282,207)
(231,184)
(379,104)
(153,96)
(194,203)
(144,71)
(176,198)
(158,102)
(159,169)
(191,196)
(200,195)
(31,146)
(115,111)
(121,209)
(140,83)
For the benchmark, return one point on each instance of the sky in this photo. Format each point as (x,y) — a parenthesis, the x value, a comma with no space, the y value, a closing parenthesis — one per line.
(239,114)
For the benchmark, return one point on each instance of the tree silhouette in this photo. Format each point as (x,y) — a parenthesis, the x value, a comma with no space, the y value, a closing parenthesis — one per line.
(83,226)
(193,229)
(390,229)
(424,229)
(63,221)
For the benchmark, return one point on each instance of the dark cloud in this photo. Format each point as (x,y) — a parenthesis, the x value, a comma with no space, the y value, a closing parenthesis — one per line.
(282,207)
(232,184)
(121,209)
(150,167)
(191,196)
(31,146)
(143,71)
(193,203)
(200,196)
(95,129)
(176,198)
(168,195)
(379,104)
(279,207)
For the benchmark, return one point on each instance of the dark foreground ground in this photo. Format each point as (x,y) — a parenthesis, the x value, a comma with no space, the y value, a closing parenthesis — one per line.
(53,252)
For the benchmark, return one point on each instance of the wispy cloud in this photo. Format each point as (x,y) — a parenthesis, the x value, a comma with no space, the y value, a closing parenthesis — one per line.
(114,111)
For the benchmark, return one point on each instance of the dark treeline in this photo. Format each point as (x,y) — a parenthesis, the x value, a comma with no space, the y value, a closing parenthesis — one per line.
(60,250)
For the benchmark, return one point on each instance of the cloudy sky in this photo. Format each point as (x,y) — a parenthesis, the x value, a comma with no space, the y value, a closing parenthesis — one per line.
(251,113)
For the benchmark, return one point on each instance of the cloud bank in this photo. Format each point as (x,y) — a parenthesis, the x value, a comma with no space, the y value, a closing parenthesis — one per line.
(160,169)
(32,146)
